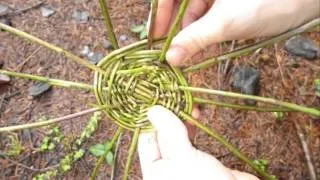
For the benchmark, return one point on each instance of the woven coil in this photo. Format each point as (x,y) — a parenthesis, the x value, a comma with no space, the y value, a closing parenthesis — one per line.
(134,81)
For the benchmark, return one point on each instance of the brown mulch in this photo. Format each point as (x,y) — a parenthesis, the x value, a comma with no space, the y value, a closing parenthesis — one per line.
(259,135)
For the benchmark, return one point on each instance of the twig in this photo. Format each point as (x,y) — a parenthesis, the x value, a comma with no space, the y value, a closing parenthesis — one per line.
(211,61)
(19,67)
(174,29)
(279,59)
(114,170)
(311,169)
(51,47)
(108,24)
(30,168)
(54,82)
(228,60)
(228,145)
(102,158)
(154,8)
(51,121)
(131,152)
(238,106)
(313,111)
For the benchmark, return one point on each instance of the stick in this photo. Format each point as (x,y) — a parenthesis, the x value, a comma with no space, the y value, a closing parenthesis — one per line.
(311,169)
(174,29)
(54,82)
(228,145)
(108,24)
(51,47)
(131,152)
(154,8)
(212,61)
(307,110)
(241,107)
(51,121)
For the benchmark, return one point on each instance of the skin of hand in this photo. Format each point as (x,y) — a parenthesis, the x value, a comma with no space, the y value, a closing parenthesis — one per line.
(167,153)
(211,21)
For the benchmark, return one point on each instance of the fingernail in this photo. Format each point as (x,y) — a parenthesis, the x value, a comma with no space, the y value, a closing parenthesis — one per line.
(176,55)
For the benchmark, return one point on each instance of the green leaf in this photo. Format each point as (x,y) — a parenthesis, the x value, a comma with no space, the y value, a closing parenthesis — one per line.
(51,146)
(138,28)
(143,34)
(97,150)
(109,158)
(78,154)
(279,115)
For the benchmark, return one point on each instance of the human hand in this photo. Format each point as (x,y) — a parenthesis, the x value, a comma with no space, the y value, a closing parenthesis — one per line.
(168,154)
(210,21)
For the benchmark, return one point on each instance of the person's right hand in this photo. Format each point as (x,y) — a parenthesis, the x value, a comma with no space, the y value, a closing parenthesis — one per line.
(210,21)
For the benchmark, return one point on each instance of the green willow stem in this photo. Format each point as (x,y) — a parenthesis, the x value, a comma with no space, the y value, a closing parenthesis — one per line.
(131,152)
(228,145)
(102,158)
(241,107)
(51,121)
(54,82)
(212,61)
(51,47)
(174,29)
(154,8)
(312,111)
(108,24)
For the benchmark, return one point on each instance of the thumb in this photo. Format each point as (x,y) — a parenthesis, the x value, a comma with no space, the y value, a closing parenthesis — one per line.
(172,135)
(196,37)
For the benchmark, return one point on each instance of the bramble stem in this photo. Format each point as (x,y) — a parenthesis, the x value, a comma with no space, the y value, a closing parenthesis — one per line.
(51,47)
(174,29)
(54,82)
(312,111)
(241,107)
(108,24)
(102,158)
(131,152)
(154,8)
(212,61)
(228,145)
(51,121)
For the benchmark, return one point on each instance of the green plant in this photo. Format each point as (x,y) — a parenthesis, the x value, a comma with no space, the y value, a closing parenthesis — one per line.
(99,150)
(14,147)
(140,29)
(262,164)
(54,137)
(131,79)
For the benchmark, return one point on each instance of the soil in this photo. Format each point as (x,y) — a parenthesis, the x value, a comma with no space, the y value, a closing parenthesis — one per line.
(259,135)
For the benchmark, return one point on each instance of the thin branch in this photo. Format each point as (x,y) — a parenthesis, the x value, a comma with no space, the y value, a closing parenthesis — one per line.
(154,8)
(313,111)
(115,160)
(30,168)
(311,169)
(51,121)
(102,158)
(131,152)
(108,24)
(212,61)
(238,106)
(54,82)
(174,29)
(51,47)
(228,145)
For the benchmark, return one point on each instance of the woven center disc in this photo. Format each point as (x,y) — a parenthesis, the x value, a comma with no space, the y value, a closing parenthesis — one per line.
(131,86)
